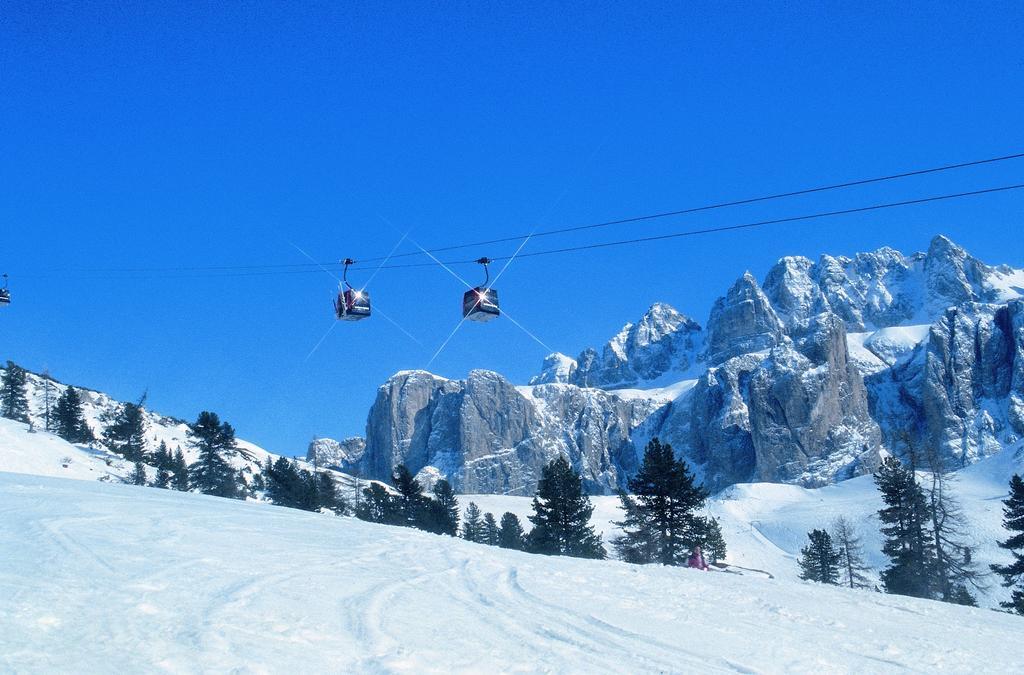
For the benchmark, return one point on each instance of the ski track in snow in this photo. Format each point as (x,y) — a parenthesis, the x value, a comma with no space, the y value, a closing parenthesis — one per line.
(112,578)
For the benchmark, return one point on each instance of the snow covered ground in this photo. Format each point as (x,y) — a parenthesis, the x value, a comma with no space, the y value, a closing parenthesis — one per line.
(766,524)
(113,578)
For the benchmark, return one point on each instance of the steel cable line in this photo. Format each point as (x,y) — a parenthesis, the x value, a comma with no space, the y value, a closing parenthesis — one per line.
(728,228)
(622,242)
(282,268)
(719,205)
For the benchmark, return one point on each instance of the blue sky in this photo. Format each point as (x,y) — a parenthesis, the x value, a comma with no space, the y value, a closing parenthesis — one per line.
(148,136)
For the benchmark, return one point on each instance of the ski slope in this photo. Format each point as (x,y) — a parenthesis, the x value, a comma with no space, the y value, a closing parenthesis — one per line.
(114,578)
(766,524)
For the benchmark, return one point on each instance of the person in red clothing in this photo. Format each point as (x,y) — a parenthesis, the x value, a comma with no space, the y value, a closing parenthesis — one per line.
(696,560)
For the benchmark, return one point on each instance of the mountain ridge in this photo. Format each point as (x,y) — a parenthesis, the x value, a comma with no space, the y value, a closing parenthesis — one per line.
(771,388)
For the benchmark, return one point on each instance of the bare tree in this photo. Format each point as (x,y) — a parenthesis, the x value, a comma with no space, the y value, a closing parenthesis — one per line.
(852,567)
(954,568)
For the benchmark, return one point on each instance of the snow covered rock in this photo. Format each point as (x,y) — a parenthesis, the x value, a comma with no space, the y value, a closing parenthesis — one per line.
(661,341)
(485,435)
(742,321)
(772,389)
(962,391)
(328,452)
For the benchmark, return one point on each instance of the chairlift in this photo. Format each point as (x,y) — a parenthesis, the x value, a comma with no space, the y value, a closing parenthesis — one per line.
(481,303)
(5,294)
(351,304)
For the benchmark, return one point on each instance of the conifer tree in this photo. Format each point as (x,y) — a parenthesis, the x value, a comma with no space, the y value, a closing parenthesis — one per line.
(852,567)
(126,431)
(712,542)
(328,496)
(181,480)
(69,420)
(472,524)
(14,393)
(411,500)
(561,515)
(378,506)
(490,530)
(443,510)
(1013,520)
(138,476)
(637,544)
(903,525)
(662,514)
(510,532)
(164,463)
(210,473)
(819,560)
(284,483)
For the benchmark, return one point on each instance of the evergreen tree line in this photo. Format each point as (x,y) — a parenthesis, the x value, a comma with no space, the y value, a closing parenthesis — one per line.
(662,523)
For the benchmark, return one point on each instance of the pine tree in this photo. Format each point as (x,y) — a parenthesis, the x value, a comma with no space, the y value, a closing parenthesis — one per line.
(443,510)
(510,532)
(637,544)
(712,542)
(903,524)
(126,431)
(1013,520)
(284,483)
(378,506)
(14,393)
(411,500)
(852,567)
(164,463)
(472,525)
(328,496)
(210,473)
(819,560)
(69,420)
(490,530)
(138,476)
(561,515)
(663,511)
(181,480)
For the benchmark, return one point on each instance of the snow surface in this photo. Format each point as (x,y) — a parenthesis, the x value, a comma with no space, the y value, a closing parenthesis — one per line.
(114,578)
(766,524)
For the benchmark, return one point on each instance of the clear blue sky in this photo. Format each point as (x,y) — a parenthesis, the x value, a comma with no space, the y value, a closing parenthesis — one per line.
(152,135)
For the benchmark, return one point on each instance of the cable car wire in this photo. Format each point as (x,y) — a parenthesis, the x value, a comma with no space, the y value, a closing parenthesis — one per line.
(726,228)
(719,205)
(285,268)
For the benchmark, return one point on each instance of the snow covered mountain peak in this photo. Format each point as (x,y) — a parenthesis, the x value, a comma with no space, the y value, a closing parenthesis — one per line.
(807,378)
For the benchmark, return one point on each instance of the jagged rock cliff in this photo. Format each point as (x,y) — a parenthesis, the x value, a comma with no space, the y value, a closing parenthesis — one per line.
(773,389)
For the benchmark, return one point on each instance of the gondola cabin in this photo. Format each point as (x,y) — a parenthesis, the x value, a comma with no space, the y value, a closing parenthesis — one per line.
(5,295)
(480,304)
(352,304)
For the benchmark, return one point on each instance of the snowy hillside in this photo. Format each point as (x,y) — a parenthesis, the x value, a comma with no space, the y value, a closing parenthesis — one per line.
(96,406)
(766,524)
(114,578)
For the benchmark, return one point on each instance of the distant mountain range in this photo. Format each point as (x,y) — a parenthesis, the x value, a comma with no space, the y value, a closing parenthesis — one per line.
(807,377)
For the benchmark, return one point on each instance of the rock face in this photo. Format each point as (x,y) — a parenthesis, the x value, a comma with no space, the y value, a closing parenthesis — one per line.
(485,435)
(663,340)
(960,397)
(742,322)
(803,379)
(334,454)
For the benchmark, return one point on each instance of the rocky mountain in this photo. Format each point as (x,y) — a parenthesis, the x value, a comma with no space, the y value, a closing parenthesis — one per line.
(807,377)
